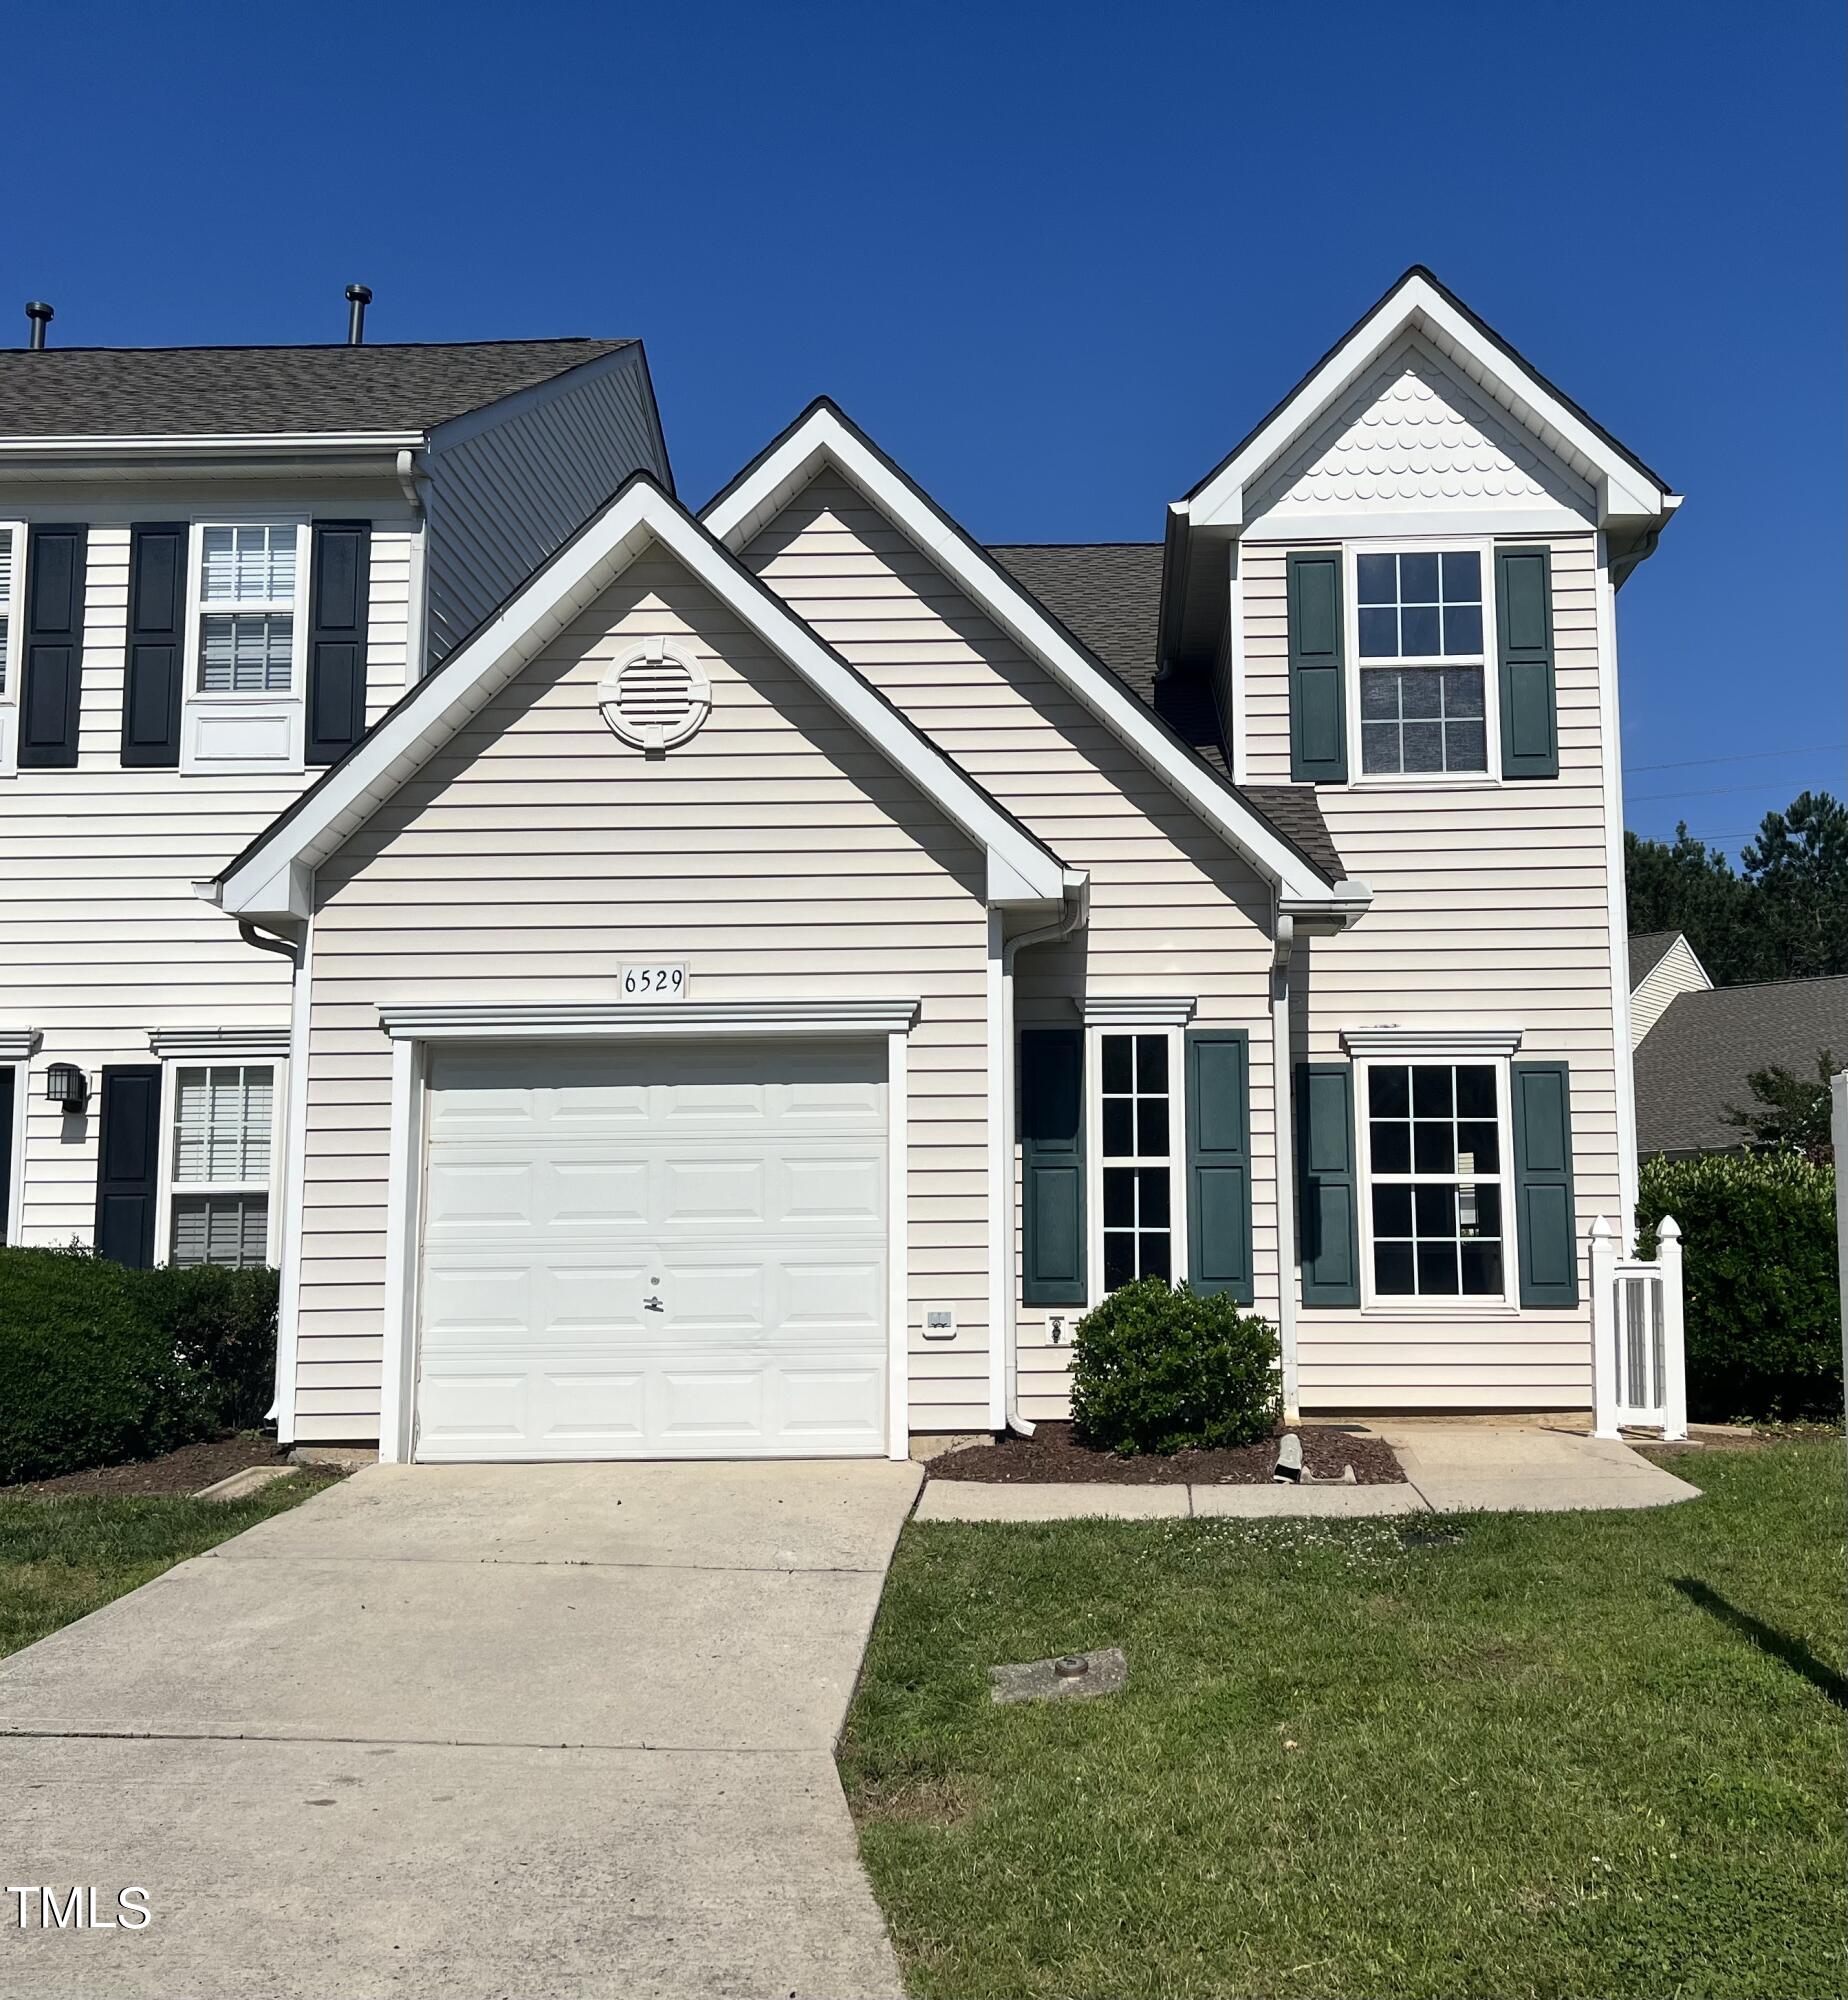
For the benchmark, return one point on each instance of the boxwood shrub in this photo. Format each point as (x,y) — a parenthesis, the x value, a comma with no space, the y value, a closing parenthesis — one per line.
(1762,1304)
(1161,1369)
(100,1364)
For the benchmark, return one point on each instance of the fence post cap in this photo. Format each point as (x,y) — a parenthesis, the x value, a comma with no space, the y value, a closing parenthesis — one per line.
(1670,1228)
(1601,1227)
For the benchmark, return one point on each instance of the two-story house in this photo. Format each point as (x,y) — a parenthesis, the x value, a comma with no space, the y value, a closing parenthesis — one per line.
(217,567)
(771,978)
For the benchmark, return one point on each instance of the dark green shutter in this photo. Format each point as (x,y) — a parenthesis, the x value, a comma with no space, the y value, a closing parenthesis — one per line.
(52,694)
(1053,1260)
(1219,1163)
(1328,1210)
(1318,696)
(339,598)
(1524,633)
(1545,1224)
(128,1163)
(156,645)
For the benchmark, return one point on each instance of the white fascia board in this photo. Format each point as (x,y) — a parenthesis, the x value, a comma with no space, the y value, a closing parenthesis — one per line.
(275,879)
(1624,492)
(823,439)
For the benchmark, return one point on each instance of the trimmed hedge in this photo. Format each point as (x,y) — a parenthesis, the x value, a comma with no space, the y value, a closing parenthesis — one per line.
(100,1364)
(1161,1369)
(1764,1336)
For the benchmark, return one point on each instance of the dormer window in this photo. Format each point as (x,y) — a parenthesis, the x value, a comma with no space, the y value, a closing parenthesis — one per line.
(1421,646)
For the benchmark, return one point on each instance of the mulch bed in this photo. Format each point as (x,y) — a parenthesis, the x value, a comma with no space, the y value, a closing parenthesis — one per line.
(182,1471)
(1052,1456)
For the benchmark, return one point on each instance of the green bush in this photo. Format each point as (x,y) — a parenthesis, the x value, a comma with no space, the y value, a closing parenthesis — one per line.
(1163,1370)
(100,1364)
(1763,1310)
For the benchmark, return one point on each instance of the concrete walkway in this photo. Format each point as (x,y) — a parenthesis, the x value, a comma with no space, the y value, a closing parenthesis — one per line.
(1450,1467)
(468,1731)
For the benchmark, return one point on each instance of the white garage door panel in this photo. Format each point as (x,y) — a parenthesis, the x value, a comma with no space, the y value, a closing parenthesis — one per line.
(649,1253)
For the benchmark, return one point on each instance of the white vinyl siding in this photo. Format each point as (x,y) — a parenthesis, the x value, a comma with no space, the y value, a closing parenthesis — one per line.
(1678,971)
(774,853)
(1173,909)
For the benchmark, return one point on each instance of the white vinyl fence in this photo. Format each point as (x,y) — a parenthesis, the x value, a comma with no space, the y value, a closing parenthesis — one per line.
(1639,1372)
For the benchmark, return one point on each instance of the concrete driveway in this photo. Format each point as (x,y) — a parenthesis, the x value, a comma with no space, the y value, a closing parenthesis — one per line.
(460,1731)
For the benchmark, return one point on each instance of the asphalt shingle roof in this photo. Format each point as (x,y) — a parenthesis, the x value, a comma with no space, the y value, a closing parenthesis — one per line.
(1691,1067)
(1108,596)
(220,391)
(1647,952)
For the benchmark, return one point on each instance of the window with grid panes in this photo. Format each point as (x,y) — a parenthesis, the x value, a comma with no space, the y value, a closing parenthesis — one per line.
(1138,1162)
(1423,681)
(1436,1179)
(223,1117)
(247,608)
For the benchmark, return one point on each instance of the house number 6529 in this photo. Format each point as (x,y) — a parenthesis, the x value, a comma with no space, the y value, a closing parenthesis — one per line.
(654,982)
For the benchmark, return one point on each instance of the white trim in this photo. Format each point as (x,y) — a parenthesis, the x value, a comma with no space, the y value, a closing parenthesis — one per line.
(898,1249)
(1237,733)
(1482,547)
(228,444)
(1409,1044)
(1436,1305)
(1022,872)
(19,1044)
(589,1020)
(21,1065)
(1611,752)
(404,1197)
(824,437)
(1000,1192)
(13,651)
(274,1188)
(290,705)
(1415,304)
(1095,1163)
(294,1181)
(1283,1166)
(1287,530)
(1158,1010)
(239,1045)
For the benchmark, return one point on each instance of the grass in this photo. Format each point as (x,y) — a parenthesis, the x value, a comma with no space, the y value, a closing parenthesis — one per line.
(1556,1755)
(60,1559)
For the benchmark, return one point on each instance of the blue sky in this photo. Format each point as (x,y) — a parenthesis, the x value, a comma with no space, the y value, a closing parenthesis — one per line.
(1057,259)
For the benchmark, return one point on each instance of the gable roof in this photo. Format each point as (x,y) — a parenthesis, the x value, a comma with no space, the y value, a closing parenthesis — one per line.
(1108,595)
(1627,489)
(123,392)
(1647,952)
(823,435)
(272,878)
(1693,1064)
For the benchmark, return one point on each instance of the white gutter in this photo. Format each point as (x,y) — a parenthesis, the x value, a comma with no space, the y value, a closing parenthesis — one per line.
(228,445)
(1283,1125)
(1001,1221)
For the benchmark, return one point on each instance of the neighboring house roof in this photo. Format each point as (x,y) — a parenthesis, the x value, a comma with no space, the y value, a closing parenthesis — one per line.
(824,436)
(271,879)
(1692,1066)
(1108,594)
(111,392)
(1647,952)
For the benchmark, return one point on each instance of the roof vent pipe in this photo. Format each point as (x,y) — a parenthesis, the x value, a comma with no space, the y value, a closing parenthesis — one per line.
(40,314)
(359,297)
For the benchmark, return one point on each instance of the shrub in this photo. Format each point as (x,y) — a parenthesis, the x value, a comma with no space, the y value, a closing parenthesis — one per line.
(1762,1300)
(88,1376)
(222,1324)
(1164,1370)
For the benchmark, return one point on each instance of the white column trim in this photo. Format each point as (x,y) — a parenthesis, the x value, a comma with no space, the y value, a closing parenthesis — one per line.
(294,1174)
(997,1173)
(898,1250)
(1283,1169)
(1237,734)
(1610,726)
(16,1142)
(398,1375)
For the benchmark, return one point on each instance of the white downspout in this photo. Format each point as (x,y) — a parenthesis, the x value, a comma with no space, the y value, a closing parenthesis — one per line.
(1283,1123)
(1001,1223)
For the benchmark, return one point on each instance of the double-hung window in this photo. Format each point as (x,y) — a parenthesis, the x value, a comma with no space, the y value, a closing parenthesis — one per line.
(1436,1156)
(1420,631)
(221,1148)
(1136,1189)
(247,608)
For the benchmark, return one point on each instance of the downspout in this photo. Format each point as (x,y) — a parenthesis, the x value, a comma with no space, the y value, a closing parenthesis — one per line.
(281,945)
(416,639)
(1283,1122)
(1076,909)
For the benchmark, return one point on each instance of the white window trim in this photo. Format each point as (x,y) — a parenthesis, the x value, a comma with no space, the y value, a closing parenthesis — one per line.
(293,705)
(15,651)
(1409,1305)
(1094,1034)
(1360,778)
(171,1065)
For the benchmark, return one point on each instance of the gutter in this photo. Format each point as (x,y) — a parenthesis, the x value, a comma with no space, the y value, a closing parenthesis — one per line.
(1077,909)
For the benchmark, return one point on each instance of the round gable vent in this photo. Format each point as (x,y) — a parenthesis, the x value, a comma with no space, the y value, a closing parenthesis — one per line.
(655,695)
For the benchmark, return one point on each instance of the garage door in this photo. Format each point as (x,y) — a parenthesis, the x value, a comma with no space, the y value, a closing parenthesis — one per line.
(638,1253)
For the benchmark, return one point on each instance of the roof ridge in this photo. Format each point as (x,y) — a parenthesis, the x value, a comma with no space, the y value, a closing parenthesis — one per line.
(339,346)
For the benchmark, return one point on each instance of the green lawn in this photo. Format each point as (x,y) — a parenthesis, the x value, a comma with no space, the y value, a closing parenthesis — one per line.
(1561,1755)
(62,1558)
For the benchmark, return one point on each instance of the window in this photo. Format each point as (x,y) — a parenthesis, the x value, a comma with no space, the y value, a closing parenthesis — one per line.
(12,552)
(222,1131)
(1436,1179)
(1419,634)
(247,578)
(1137,1121)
